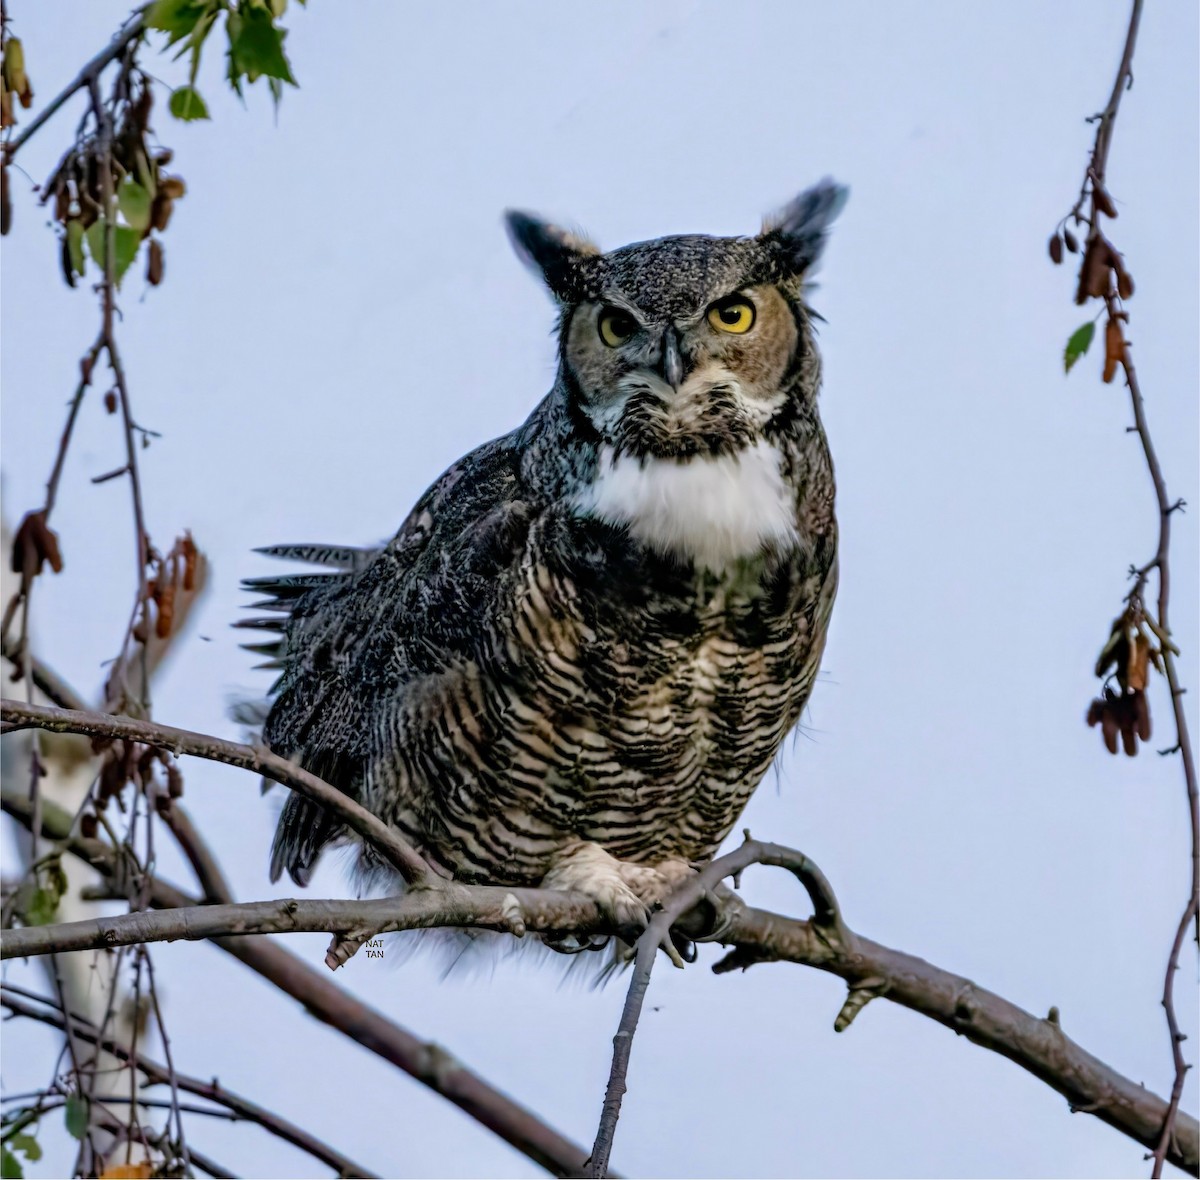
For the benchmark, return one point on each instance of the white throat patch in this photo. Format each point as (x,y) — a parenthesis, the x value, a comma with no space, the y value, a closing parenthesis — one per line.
(713,510)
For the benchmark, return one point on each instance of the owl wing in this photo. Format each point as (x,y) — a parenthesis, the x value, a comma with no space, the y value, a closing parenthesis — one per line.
(353,640)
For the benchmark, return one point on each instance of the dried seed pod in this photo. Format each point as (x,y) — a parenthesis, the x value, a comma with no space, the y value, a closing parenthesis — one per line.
(154,263)
(1103,201)
(1114,349)
(163,157)
(1071,240)
(1108,726)
(6,115)
(174,781)
(1056,249)
(88,825)
(191,555)
(1095,712)
(1124,279)
(35,544)
(1115,652)
(1139,664)
(65,262)
(160,211)
(1093,271)
(1141,715)
(165,599)
(173,187)
(5,202)
(110,401)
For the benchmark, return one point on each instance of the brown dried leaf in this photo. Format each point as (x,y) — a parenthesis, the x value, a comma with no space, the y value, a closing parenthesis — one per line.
(1056,249)
(172,187)
(1071,240)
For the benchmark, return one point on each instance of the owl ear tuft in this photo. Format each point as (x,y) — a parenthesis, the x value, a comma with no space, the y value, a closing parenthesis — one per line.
(799,231)
(558,255)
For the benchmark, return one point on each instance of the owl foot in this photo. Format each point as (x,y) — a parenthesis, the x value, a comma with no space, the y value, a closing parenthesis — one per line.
(624,891)
(587,868)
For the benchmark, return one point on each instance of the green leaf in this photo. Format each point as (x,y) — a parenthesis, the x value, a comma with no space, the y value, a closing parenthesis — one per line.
(75,245)
(76,1115)
(42,907)
(134,202)
(10,1166)
(177,18)
(125,245)
(256,45)
(186,104)
(1079,343)
(28,1146)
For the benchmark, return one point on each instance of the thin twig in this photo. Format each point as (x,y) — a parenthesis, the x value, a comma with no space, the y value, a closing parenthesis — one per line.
(826,918)
(406,860)
(425,1061)
(1093,186)
(160,1074)
(129,32)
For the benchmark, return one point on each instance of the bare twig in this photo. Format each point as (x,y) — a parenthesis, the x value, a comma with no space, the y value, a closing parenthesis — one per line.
(1093,193)
(1037,1045)
(427,1062)
(407,861)
(243,1108)
(125,36)
(657,934)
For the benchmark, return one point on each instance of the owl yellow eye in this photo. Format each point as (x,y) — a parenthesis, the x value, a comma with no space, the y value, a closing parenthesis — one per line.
(616,326)
(732,315)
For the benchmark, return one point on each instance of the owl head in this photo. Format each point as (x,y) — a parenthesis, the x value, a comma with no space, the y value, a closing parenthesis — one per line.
(685,345)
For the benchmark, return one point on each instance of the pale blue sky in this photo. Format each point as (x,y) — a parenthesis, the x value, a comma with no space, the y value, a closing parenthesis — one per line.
(342,317)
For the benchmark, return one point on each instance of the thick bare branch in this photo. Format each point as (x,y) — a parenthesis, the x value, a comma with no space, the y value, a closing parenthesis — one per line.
(16,715)
(480,907)
(1038,1045)
(426,1061)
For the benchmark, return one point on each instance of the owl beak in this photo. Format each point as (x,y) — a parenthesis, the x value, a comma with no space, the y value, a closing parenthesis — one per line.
(672,361)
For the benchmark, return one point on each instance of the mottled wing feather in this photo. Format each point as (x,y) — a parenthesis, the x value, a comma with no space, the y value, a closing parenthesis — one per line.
(353,641)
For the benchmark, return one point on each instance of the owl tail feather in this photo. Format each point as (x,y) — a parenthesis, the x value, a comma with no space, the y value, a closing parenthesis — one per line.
(305,828)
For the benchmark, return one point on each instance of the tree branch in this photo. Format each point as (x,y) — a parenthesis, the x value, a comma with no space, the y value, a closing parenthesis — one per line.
(158,1074)
(1099,282)
(429,1063)
(15,715)
(1038,1045)
(129,32)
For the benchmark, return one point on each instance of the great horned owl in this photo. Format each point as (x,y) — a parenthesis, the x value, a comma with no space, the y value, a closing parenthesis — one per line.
(579,655)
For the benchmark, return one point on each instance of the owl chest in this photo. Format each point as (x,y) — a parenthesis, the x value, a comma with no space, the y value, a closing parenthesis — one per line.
(679,677)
